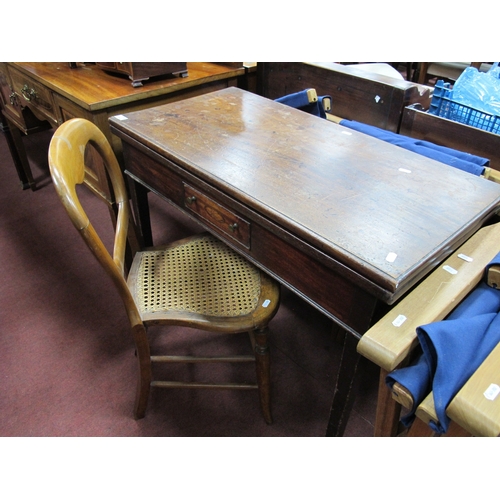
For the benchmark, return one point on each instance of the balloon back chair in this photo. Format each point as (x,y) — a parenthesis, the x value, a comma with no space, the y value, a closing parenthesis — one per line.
(197,282)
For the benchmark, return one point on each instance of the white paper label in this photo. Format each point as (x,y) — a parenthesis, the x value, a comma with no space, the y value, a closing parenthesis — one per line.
(121,117)
(465,257)
(492,392)
(450,270)
(391,257)
(266,303)
(399,320)
(405,170)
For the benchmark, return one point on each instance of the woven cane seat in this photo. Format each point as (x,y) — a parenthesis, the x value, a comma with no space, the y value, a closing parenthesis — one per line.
(202,275)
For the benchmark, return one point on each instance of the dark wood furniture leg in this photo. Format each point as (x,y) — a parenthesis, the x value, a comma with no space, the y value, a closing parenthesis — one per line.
(19,157)
(263,366)
(343,397)
(140,209)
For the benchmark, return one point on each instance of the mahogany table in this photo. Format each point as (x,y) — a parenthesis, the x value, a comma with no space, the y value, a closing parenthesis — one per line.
(344,220)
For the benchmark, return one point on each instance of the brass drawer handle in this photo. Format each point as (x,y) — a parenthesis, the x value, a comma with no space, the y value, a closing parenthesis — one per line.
(233,227)
(190,200)
(28,94)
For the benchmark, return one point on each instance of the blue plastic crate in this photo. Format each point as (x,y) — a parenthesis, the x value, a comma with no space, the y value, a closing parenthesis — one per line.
(443,105)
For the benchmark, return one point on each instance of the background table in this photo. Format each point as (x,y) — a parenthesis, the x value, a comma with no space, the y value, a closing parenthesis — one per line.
(38,95)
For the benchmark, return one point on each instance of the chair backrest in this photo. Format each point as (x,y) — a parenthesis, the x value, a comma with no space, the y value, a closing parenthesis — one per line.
(67,168)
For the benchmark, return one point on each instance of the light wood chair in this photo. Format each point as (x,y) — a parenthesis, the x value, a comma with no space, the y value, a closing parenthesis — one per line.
(390,342)
(197,282)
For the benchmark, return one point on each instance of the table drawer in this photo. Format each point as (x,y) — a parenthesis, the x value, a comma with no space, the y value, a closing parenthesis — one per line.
(34,95)
(217,216)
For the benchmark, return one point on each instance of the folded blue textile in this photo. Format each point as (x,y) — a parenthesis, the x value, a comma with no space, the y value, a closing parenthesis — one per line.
(458,159)
(493,262)
(417,379)
(451,351)
(300,101)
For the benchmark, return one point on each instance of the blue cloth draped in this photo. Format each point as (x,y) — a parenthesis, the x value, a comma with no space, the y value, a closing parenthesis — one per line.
(451,351)
(300,101)
(458,159)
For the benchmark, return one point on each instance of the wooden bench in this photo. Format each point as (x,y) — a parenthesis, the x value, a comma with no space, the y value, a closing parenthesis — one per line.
(390,342)
(357,94)
(419,124)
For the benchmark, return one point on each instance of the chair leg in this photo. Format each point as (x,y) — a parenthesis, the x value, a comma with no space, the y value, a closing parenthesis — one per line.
(141,398)
(145,372)
(263,366)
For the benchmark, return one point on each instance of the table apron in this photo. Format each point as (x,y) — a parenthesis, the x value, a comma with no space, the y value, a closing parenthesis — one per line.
(314,276)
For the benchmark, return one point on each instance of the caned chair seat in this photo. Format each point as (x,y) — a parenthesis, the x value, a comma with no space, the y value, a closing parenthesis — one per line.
(197,282)
(199,275)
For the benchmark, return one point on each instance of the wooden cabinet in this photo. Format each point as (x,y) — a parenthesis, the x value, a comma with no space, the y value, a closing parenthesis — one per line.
(36,97)
(15,107)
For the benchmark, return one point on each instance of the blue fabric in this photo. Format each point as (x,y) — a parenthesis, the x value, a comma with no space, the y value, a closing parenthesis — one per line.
(296,100)
(451,351)
(417,379)
(300,101)
(493,262)
(458,159)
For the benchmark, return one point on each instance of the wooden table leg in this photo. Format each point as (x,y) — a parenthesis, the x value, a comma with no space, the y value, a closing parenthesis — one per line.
(19,157)
(140,208)
(343,398)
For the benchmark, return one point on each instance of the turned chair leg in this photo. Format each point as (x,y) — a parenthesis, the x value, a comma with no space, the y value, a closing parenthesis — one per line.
(145,372)
(263,366)
(141,398)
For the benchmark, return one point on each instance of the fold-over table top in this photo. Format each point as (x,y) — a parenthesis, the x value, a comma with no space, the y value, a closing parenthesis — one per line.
(388,214)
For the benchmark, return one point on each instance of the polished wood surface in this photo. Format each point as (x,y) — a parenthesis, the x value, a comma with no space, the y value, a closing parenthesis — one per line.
(93,88)
(384,215)
(389,342)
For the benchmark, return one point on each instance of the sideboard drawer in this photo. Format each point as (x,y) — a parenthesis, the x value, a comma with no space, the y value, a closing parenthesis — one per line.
(217,216)
(35,96)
